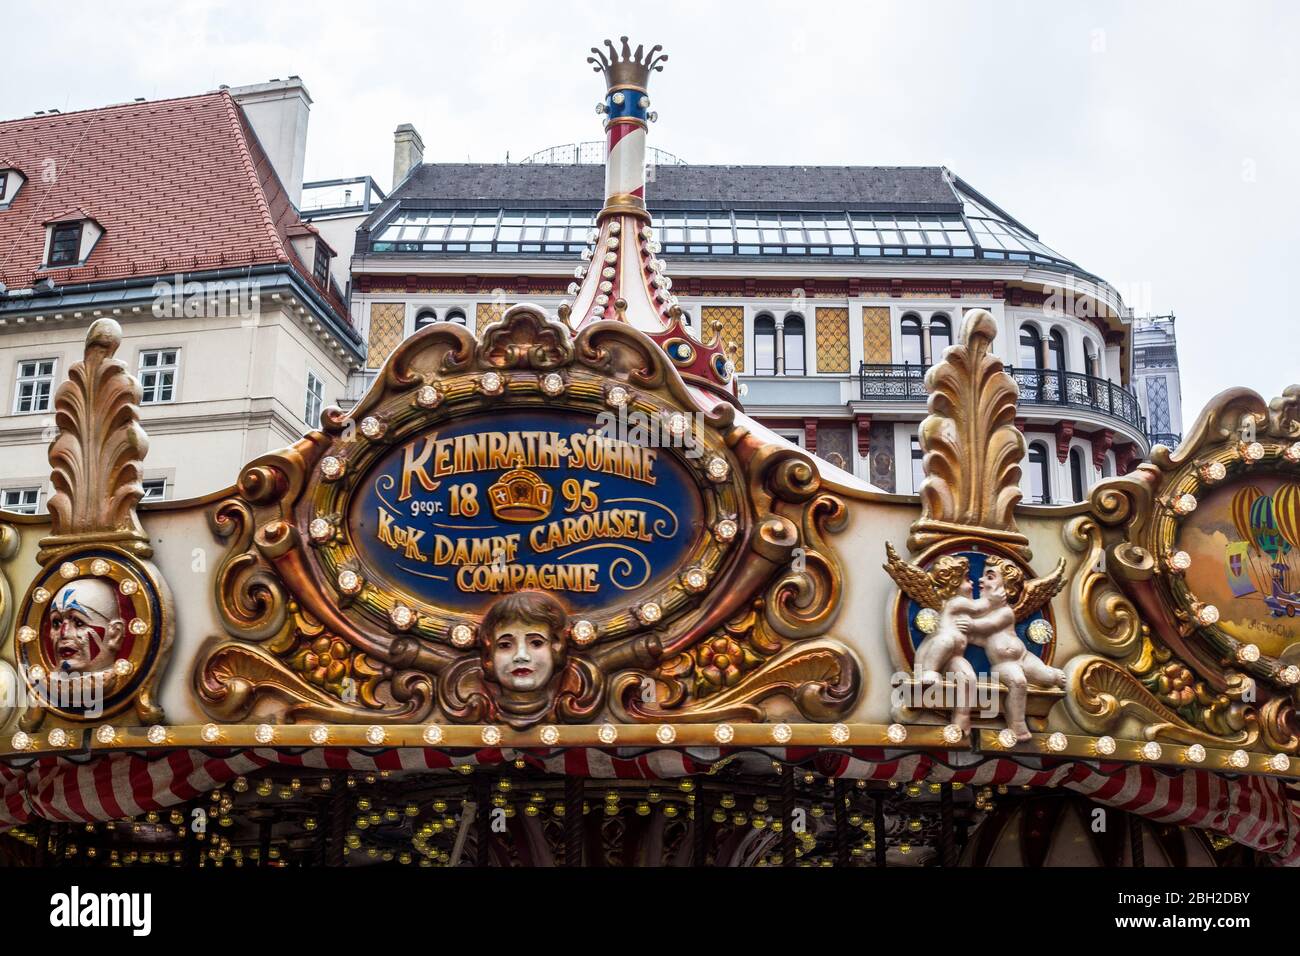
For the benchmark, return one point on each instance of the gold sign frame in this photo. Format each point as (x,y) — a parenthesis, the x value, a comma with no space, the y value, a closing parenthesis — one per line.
(302,621)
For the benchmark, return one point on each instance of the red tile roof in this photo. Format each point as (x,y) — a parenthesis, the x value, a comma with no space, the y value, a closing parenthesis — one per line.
(178,185)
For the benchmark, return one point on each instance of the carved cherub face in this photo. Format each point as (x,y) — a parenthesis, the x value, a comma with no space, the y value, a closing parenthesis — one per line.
(86,625)
(523,637)
(1001,581)
(521,654)
(993,583)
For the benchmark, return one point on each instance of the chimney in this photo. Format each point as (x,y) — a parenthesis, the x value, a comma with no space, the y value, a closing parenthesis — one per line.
(408,151)
(277,111)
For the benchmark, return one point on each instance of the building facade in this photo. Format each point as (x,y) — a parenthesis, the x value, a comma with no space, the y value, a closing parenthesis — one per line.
(178,219)
(1156,378)
(836,288)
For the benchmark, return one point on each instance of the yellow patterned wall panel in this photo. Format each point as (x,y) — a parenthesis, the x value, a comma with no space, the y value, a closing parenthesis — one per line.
(489,312)
(877,343)
(387,326)
(832,340)
(732,318)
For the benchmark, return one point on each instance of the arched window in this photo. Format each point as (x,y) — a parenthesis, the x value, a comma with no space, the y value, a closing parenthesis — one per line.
(1097,388)
(457,316)
(1090,364)
(940,337)
(1031,348)
(918,471)
(1077,483)
(912,352)
(1106,469)
(1055,385)
(425,317)
(764,345)
(793,340)
(1040,479)
(1056,346)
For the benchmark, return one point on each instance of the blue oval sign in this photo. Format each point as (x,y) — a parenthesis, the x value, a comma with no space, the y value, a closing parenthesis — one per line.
(490,504)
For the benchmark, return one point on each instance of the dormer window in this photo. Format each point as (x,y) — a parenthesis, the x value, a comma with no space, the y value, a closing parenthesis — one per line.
(311,248)
(11,180)
(65,244)
(69,239)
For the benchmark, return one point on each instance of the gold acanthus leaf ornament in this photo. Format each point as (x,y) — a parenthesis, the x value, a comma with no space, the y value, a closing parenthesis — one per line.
(1104,694)
(972,448)
(96,460)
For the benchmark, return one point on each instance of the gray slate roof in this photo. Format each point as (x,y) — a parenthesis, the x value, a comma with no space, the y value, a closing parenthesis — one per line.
(523,186)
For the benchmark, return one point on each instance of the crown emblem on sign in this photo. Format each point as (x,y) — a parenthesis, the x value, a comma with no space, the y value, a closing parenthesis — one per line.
(520,495)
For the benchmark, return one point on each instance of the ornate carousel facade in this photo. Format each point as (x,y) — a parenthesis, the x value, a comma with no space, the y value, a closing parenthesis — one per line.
(547,596)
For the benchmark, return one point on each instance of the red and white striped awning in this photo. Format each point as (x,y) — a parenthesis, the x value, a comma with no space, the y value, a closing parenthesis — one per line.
(1257,811)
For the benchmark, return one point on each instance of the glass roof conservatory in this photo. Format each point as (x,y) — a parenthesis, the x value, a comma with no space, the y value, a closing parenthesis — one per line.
(978,232)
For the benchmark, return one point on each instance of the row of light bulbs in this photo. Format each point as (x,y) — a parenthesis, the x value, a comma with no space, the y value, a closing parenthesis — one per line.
(896,734)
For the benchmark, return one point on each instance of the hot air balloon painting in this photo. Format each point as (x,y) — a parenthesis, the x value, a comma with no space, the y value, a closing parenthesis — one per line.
(1239,580)
(1251,562)
(1264,560)
(1244,544)
(1285,598)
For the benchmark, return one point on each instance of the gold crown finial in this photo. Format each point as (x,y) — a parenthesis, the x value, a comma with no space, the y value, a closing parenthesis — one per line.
(625,67)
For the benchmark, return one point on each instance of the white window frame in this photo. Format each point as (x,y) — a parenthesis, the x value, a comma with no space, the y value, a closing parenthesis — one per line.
(796,436)
(156,370)
(166,488)
(917,478)
(37,379)
(314,396)
(440,308)
(35,506)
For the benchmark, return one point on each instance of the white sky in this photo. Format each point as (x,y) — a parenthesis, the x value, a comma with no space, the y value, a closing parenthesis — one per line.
(1151,142)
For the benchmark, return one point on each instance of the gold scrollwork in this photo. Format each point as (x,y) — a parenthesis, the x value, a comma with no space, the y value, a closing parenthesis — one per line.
(233,679)
(1103,693)
(1195,667)
(769,647)
(1105,619)
(250,597)
(820,678)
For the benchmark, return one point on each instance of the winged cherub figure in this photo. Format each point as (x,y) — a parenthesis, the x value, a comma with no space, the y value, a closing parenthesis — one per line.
(989,622)
(946,589)
(1012,599)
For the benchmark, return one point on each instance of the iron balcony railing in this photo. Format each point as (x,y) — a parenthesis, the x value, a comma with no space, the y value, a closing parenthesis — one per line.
(1037,387)
(892,382)
(1165,438)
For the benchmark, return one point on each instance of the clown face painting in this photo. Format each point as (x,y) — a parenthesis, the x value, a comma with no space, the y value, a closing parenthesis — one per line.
(86,626)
